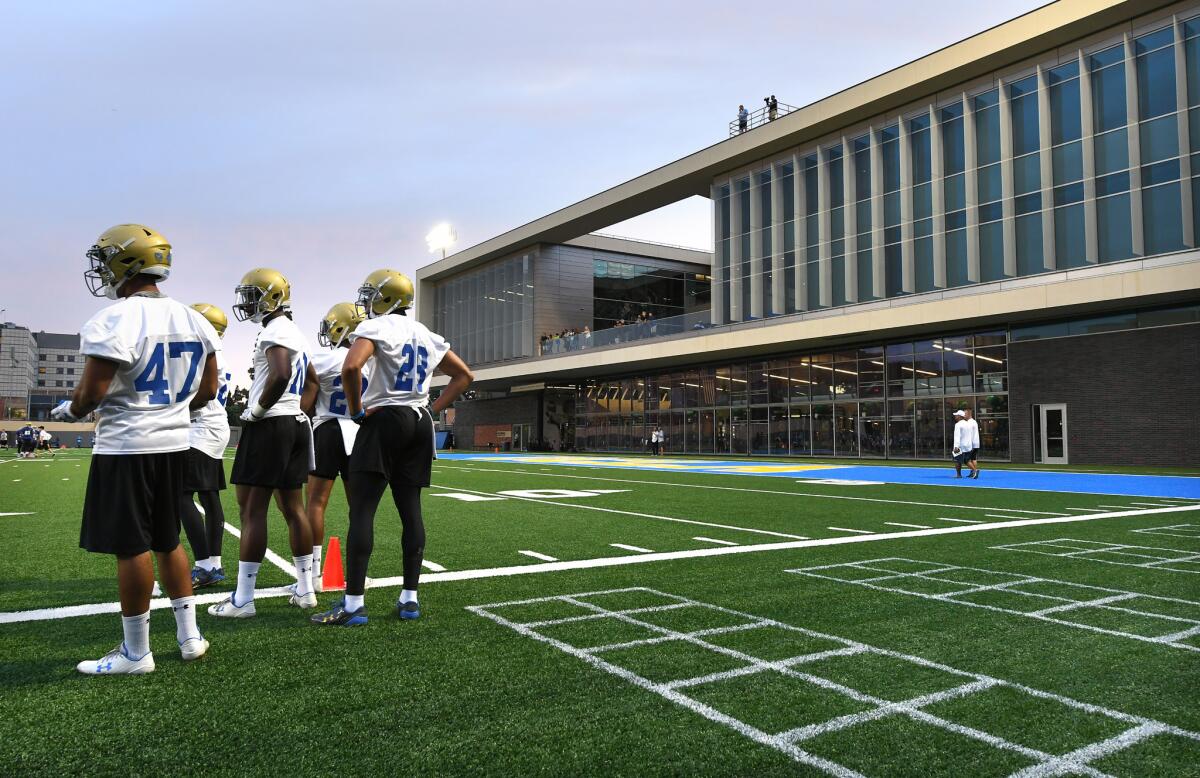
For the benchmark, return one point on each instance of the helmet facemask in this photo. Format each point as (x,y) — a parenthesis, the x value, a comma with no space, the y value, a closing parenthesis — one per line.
(251,304)
(368,295)
(100,279)
(331,335)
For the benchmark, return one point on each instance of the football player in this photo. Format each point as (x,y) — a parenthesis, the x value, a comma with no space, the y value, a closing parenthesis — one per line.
(275,450)
(333,432)
(205,475)
(395,442)
(149,361)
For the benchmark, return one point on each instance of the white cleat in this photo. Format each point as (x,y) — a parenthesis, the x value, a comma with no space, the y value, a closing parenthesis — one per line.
(303,601)
(227,610)
(317,588)
(193,648)
(117,662)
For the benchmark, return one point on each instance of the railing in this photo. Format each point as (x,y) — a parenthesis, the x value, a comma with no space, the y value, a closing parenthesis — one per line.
(640,330)
(758,118)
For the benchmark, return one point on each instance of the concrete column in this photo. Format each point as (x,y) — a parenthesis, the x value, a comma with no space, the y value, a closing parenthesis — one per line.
(756,246)
(907,266)
(1046,163)
(735,252)
(971,185)
(878,265)
(1008,207)
(938,189)
(1182,122)
(825,246)
(778,226)
(717,304)
(1135,149)
(800,203)
(1091,240)
(850,220)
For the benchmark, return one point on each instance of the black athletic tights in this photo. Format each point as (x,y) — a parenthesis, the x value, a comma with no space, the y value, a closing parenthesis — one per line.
(204,533)
(365,491)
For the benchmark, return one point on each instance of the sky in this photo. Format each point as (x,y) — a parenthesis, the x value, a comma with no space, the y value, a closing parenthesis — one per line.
(325,139)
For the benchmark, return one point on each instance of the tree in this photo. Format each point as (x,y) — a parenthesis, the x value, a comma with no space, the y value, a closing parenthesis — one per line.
(236,404)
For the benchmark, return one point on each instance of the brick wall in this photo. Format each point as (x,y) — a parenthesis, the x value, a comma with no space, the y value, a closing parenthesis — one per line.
(519,409)
(1133,398)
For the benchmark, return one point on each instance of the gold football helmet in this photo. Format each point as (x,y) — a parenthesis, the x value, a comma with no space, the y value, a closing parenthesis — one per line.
(216,317)
(262,291)
(338,324)
(384,292)
(123,252)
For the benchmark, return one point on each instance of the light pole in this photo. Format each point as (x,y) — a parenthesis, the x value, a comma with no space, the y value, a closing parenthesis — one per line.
(440,238)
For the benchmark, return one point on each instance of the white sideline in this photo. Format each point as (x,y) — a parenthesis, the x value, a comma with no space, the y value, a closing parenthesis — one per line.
(43,614)
(754,491)
(271,556)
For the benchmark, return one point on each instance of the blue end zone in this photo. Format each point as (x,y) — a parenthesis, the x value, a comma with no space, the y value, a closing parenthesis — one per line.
(1182,487)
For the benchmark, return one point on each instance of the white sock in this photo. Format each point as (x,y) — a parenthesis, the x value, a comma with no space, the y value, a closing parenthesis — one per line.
(353,602)
(408,595)
(204,564)
(316,562)
(185,619)
(303,574)
(247,573)
(215,562)
(137,635)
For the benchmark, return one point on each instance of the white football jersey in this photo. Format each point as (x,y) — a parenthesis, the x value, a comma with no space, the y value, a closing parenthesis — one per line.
(160,347)
(331,400)
(281,331)
(210,425)
(406,353)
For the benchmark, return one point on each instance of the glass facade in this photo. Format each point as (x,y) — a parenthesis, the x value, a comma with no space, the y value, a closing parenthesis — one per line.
(487,314)
(623,291)
(1082,160)
(891,401)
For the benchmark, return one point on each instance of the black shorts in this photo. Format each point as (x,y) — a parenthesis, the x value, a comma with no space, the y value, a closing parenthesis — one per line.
(203,473)
(973,455)
(132,503)
(272,453)
(331,451)
(963,457)
(397,442)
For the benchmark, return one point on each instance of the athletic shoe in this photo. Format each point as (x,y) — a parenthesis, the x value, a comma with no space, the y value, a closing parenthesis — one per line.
(338,616)
(408,610)
(976,476)
(303,601)
(202,578)
(317,589)
(193,648)
(156,591)
(227,610)
(117,662)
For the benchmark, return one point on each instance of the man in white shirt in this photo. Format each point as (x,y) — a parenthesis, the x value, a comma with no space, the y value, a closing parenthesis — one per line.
(149,362)
(275,450)
(963,443)
(395,443)
(204,478)
(973,458)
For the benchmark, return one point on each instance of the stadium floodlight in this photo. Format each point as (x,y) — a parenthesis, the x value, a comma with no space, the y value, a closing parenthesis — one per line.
(440,238)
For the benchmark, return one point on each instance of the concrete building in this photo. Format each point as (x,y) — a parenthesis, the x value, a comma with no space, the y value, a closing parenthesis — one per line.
(18,366)
(1007,224)
(59,368)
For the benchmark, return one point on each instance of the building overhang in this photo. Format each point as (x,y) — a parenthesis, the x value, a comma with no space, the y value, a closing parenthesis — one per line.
(1036,32)
(1084,291)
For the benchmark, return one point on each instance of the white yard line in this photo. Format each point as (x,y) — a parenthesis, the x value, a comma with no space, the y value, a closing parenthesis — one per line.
(963,521)
(434,566)
(601,562)
(625,513)
(536,555)
(1003,516)
(638,549)
(910,526)
(714,540)
(845,529)
(271,556)
(17,514)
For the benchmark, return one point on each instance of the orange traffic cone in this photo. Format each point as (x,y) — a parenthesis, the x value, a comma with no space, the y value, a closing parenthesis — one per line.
(332,577)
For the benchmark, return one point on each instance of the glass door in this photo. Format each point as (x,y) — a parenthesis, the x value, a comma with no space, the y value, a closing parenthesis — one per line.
(1053,433)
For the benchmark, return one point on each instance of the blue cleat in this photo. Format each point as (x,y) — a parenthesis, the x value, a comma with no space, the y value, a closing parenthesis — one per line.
(408,610)
(338,616)
(202,578)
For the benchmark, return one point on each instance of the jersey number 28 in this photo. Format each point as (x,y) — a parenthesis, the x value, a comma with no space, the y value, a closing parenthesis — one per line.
(157,378)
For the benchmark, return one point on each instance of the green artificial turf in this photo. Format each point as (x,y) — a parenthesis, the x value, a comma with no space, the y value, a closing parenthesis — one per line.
(458,693)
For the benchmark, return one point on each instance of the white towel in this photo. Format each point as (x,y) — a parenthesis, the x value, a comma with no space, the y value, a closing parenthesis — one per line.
(349,433)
